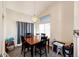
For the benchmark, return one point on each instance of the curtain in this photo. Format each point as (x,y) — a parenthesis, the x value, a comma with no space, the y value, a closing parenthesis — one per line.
(22,29)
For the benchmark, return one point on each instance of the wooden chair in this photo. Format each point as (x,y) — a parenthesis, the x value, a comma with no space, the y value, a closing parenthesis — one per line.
(40,48)
(24,45)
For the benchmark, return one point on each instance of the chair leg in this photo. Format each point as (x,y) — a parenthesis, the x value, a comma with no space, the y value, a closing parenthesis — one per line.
(40,52)
(24,52)
(35,51)
(45,52)
(28,49)
(21,49)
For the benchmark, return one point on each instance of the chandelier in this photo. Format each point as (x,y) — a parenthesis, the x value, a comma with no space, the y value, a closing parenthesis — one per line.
(35,18)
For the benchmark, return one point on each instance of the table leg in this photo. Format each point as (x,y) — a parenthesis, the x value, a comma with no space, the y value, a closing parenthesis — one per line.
(31,51)
(48,46)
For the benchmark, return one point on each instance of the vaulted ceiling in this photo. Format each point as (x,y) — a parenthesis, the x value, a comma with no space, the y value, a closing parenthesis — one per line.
(28,7)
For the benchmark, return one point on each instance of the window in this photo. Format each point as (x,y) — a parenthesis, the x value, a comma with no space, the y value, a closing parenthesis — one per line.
(41,27)
(45,28)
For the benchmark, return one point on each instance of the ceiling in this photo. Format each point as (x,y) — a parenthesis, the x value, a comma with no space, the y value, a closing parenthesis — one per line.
(28,7)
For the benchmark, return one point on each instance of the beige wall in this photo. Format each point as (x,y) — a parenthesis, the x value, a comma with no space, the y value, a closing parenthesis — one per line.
(76,15)
(76,27)
(62,17)
(10,29)
(67,21)
(1,32)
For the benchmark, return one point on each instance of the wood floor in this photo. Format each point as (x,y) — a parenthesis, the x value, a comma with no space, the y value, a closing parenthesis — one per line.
(17,53)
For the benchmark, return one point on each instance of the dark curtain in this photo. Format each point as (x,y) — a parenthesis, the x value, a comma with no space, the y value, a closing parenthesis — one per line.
(23,28)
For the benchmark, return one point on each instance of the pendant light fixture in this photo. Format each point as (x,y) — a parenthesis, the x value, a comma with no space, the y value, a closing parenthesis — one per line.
(35,18)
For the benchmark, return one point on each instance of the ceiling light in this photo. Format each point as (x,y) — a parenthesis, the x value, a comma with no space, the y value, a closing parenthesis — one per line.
(35,18)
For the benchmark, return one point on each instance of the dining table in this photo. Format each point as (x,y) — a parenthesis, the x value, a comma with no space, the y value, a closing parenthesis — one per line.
(32,42)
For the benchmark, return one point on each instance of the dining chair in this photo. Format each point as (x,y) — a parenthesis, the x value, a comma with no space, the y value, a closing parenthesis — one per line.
(40,48)
(44,38)
(68,50)
(24,45)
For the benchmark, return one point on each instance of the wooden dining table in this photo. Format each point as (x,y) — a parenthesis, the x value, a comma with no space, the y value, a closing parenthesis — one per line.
(32,42)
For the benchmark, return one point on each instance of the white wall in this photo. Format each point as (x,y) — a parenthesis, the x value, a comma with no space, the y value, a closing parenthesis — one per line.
(1,32)
(10,27)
